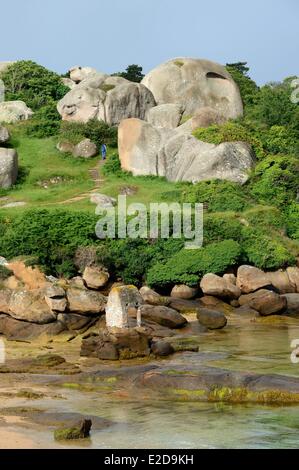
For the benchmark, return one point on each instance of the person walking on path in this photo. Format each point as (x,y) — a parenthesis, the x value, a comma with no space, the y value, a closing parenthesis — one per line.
(104,151)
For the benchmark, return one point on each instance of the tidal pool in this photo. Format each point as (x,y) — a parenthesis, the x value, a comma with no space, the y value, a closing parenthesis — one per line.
(154,423)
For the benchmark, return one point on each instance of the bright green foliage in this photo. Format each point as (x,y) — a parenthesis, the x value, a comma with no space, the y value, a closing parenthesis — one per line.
(27,81)
(264,250)
(45,122)
(97,131)
(112,165)
(51,235)
(130,259)
(188,266)
(231,131)
(266,217)
(292,218)
(219,195)
(220,227)
(275,180)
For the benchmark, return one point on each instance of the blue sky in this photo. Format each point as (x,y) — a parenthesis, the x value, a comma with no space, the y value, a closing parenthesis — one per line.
(111,34)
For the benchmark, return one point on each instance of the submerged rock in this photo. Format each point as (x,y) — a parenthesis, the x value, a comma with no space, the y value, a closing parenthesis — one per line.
(211,319)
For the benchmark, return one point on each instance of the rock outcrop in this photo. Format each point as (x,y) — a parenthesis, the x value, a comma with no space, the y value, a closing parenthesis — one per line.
(108,99)
(14,111)
(8,167)
(194,84)
(177,155)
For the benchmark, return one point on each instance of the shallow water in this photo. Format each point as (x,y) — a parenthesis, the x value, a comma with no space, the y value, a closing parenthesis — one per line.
(158,424)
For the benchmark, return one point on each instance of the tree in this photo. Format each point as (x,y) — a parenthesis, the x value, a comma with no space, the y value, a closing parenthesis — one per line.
(248,88)
(133,73)
(27,81)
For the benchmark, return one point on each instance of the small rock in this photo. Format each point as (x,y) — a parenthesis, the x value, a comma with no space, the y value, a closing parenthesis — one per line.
(4,135)
(266,302)
(212,319)
(56,305)
(95,277)
(183,292)
(73,321)
(292,303)
(163,316)
(65,147)
(103,201)
(162,349)
(250,279)
(231,278)
(153,298)
(80,430)
(85,302)
(219,287)
(293,274)
(85,149)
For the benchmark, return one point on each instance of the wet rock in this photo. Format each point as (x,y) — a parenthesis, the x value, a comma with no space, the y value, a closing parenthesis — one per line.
(80,430)
(184,306)
(85,302)
(164,316)
(219,287)
(250,279)
(162,349)
(16,330)
(265,302)
(211,319)
(73,321)
(153,298)
(214,303)
(281,281)
(95,277)
(120,344)
(292,303)
(293,274)
(184,292)
(120,300)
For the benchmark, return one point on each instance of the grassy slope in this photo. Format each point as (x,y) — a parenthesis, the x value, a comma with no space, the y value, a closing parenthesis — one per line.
(39,161)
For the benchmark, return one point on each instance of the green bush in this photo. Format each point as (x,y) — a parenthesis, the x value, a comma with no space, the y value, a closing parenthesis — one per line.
(248,88)
(112,166)
(264,250)
(27,81)
(129,259)
(218,228)
(45,122)
(219,195)
(50,235)
(275,180)
(279,139)
(231,131)
(266,217)
(292,220)
(188,266)
(97,131)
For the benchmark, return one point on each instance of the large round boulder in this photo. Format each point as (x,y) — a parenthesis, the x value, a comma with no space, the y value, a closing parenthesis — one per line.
(195,83)
(8,167)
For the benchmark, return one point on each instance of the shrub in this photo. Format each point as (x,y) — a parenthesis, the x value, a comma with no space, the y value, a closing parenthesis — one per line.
(45,122)
(112,166)
(231,131)
(292,220)
(275,180)
(51,235)
(279,139)
(248,88)
(97,131)
(188,266)
(266,217)
(218,228)
(264,250)
(27,81)
(130,259)
(219,195)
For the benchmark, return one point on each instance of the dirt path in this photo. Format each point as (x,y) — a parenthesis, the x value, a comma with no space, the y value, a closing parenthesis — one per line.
(95,176)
